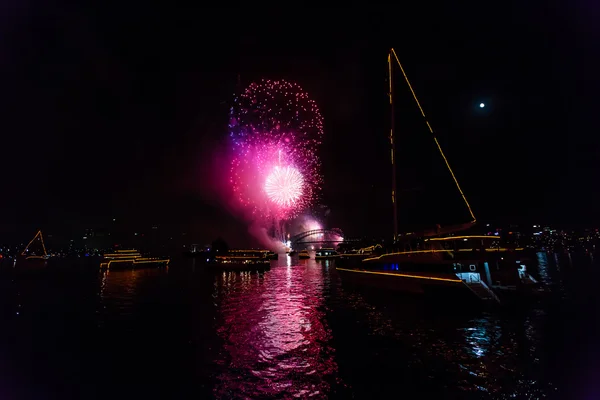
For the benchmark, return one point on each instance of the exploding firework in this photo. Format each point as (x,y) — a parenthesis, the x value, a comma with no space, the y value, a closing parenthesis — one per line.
(275,129)
(284,186)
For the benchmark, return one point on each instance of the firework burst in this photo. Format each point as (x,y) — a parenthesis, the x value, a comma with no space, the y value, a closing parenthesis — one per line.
(275,129)
(284,186)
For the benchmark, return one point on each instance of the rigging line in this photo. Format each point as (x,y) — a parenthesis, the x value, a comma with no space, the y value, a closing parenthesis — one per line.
(29,244)
(43,245)
(434,137)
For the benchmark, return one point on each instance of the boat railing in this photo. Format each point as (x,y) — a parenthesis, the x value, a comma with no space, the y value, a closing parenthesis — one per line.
(490,291)
(422,251)
(473,281)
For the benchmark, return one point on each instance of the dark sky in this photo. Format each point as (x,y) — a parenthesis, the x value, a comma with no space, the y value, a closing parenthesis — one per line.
(112,113)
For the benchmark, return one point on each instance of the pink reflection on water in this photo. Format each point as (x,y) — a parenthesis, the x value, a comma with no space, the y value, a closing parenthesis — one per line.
(275,334)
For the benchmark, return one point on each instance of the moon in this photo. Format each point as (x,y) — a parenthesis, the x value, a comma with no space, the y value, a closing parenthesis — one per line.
(481,105)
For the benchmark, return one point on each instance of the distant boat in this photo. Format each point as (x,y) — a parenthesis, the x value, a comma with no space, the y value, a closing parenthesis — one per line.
(243,260)
(303,255)
(32,258)
(131,259)
(326,254)
(196,250)
(35,254)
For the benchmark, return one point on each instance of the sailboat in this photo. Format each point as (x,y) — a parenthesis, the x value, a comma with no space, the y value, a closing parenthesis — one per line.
(425,261)
(419,245)
(34,256)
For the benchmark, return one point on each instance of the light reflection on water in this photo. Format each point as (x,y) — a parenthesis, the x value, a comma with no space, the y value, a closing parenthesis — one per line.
(295,330)
(274,331)
(542,267)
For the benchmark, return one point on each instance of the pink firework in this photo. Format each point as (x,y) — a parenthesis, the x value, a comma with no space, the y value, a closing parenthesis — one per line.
(275,130)
(284,186)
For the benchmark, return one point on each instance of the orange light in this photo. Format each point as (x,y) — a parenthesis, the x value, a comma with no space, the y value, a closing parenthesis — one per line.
(39,233)
(392,51)
(401,275)
(407,252)
(462,237)
(239,257)
(504,249)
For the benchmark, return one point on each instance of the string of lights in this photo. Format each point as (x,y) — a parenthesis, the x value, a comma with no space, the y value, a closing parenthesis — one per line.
(392,51)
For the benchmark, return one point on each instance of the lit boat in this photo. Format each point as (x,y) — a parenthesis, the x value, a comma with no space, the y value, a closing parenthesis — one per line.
(437,249)
(451,280)
(326,254)
(433,264)
(34,256)
(475,264)
(303,255)
(244,260)
(126,259)
(195,250)
(355,257)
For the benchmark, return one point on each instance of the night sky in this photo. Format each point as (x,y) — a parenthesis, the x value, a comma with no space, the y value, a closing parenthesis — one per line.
(115,113)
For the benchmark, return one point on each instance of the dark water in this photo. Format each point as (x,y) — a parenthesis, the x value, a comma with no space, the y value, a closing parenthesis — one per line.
(295,331)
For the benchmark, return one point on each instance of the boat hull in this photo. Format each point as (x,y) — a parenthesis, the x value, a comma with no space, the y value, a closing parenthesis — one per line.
(429,284)
(114,266)
(351,260)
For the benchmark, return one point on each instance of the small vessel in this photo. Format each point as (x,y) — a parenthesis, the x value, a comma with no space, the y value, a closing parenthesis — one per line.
(355,257)
(244,260)
(34,256)
(195,250)
(131,259)
(303,255)
(326,254)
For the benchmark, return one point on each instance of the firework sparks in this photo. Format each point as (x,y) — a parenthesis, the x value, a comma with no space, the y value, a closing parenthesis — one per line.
(275,129)
(284,186)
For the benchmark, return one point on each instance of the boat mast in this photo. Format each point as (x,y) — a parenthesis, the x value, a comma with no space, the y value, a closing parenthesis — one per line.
(393,148)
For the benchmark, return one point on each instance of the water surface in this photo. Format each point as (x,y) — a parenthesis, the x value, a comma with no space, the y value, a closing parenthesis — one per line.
(294,331)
